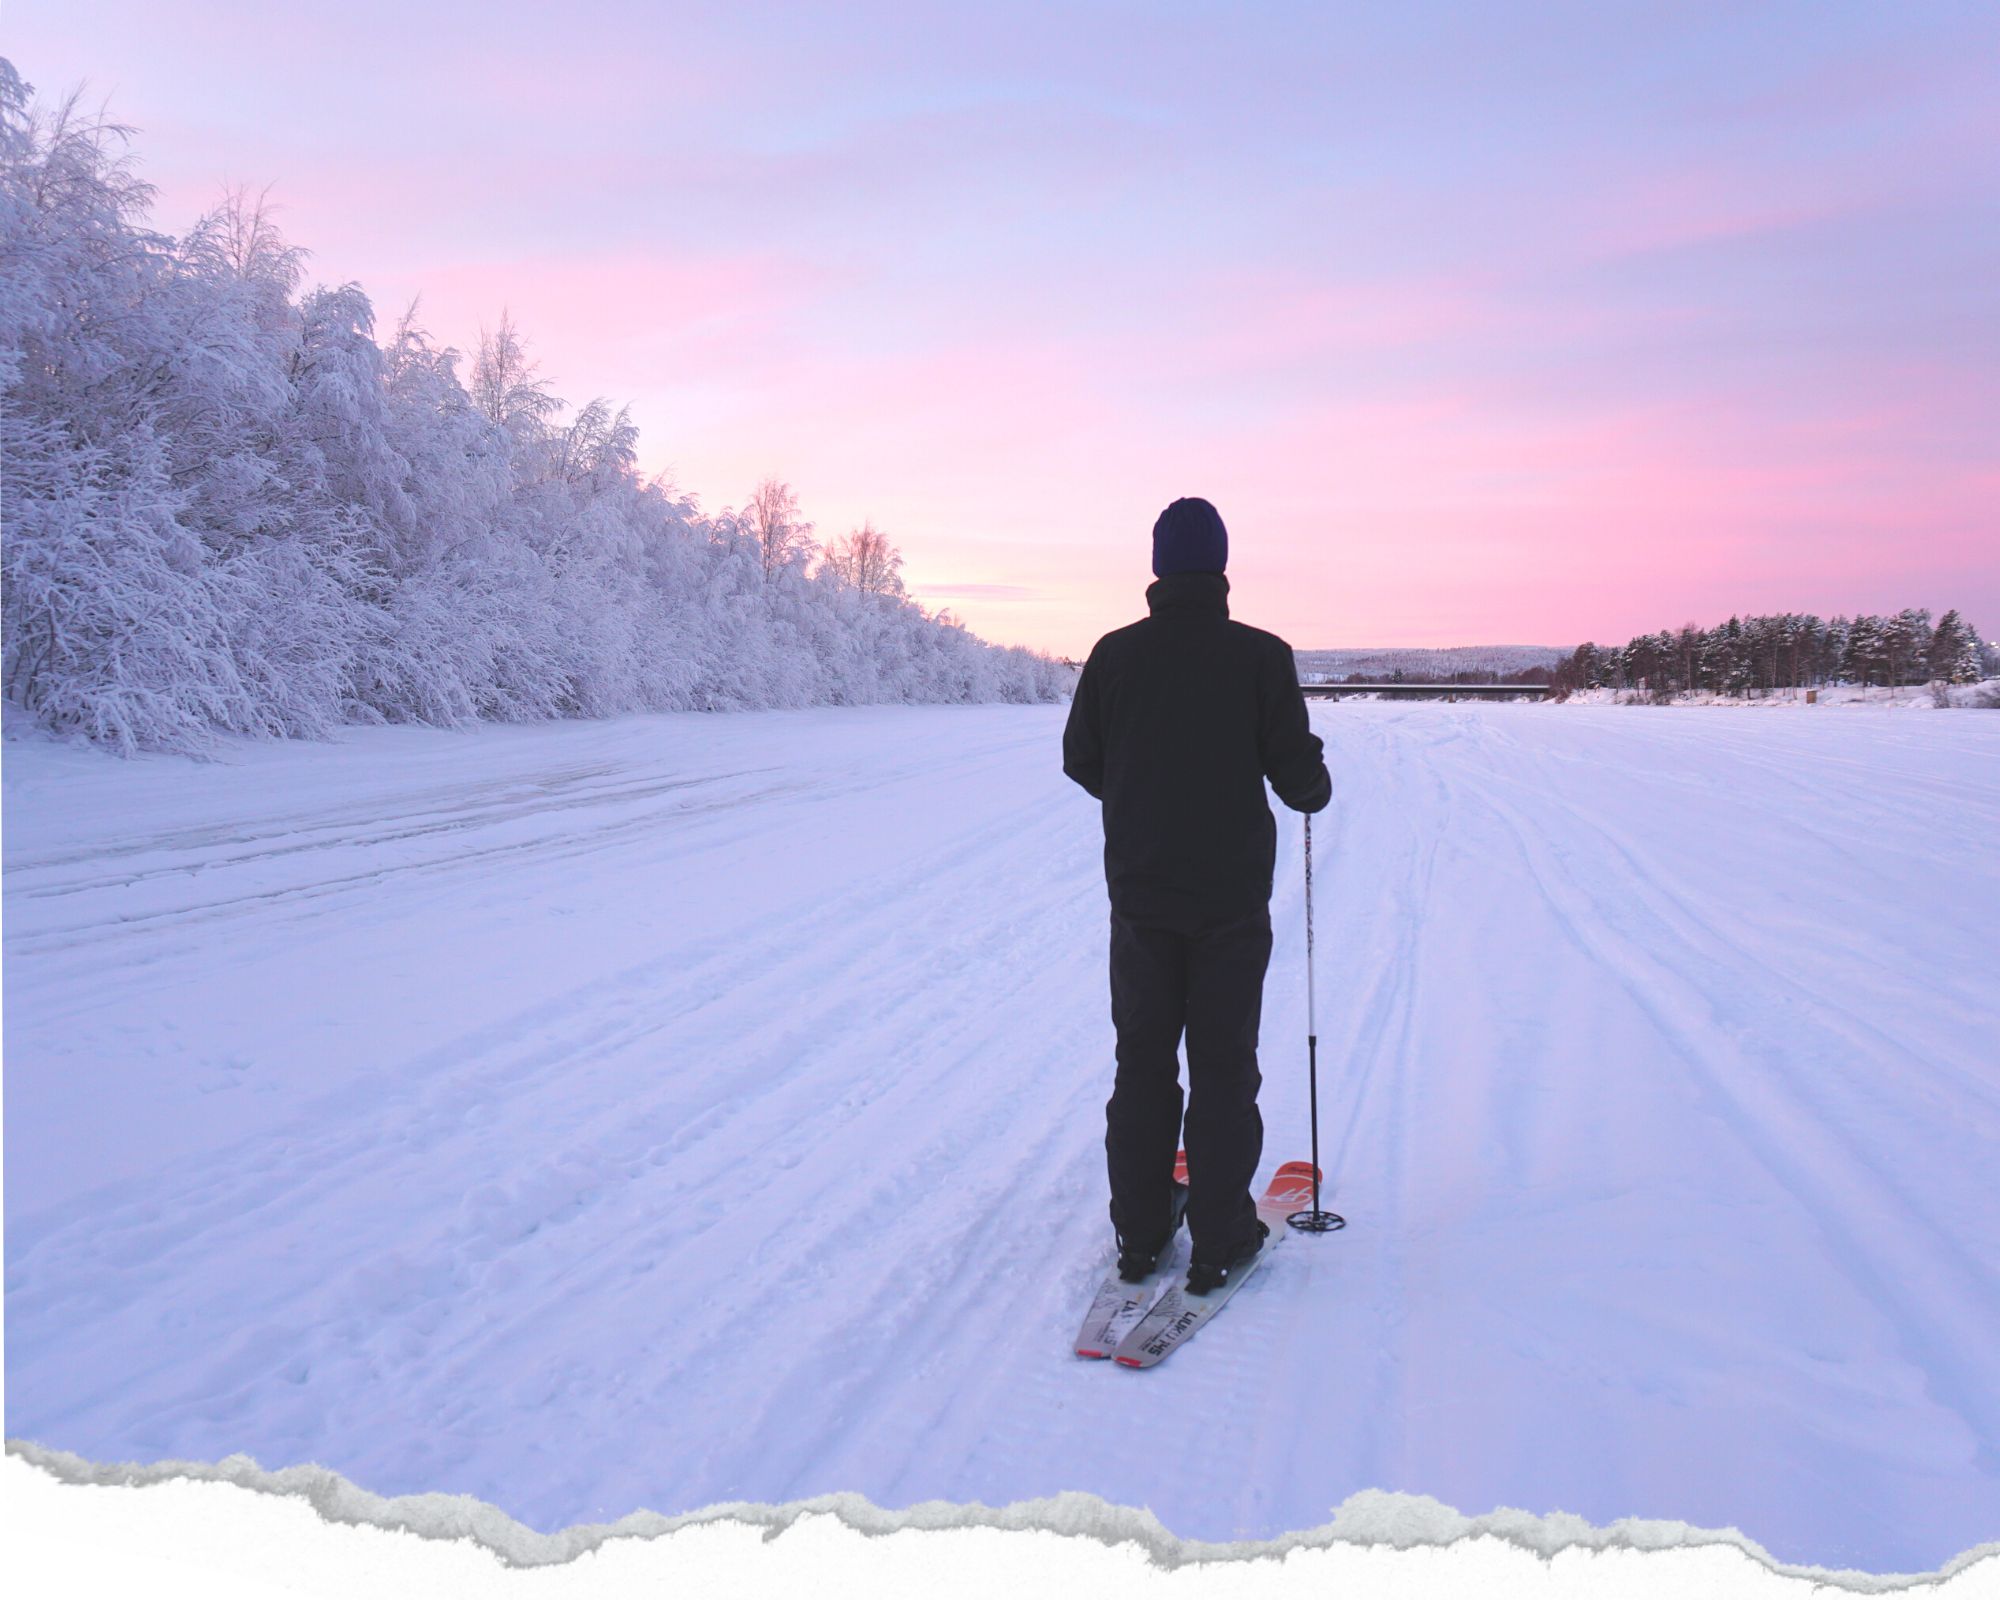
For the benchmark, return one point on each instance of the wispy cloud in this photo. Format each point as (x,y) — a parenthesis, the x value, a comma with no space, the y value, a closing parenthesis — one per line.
(1475,325)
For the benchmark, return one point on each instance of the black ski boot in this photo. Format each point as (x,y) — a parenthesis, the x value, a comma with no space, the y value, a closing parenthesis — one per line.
(1136,1261)
(1206,1276)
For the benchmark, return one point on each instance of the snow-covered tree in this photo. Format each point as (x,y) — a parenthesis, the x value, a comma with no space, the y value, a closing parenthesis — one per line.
(1954,651)
(229,509)
(507,386)
(866,559)
(784,538)
(1907,643)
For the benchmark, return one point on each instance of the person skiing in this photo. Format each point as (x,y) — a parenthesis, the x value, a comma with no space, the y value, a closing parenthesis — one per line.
(1176,722)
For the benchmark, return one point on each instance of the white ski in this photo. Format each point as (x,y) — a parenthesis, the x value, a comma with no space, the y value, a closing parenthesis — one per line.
(1178,1316)
(1117,1306)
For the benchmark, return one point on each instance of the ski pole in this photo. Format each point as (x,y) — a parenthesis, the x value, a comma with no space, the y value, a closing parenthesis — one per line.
(1315,1220)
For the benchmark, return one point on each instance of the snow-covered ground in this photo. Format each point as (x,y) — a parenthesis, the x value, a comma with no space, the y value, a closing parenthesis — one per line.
(1855,696)
(680,1109)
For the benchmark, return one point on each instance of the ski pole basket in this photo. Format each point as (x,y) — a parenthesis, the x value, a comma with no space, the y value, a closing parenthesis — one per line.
(1314,1220)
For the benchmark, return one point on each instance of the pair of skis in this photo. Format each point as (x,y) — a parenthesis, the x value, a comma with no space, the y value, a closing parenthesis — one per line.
(1126,1322)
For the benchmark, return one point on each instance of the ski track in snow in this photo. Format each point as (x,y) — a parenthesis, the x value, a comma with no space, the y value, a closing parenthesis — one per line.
(681,1109)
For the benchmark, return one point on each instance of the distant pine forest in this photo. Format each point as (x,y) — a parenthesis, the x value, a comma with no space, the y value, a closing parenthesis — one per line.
(1744,656)
(1759,655)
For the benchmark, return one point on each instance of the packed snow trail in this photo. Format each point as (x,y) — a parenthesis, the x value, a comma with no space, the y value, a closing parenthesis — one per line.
(682,1109)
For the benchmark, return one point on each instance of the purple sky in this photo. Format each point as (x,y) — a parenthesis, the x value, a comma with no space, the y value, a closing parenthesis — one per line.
(1479,322)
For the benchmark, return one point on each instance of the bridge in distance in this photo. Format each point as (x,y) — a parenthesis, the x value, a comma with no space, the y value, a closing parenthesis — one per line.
(1429,691)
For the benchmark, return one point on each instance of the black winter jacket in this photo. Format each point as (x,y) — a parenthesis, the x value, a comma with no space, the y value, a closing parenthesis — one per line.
(1175,725)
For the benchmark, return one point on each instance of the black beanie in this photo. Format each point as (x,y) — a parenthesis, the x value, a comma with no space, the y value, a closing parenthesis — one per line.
(1189,537)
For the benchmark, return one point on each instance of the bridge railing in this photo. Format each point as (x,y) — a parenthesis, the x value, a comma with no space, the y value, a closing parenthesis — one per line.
(1429,691)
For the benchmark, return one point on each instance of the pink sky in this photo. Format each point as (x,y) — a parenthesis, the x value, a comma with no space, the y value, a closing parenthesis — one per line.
(1478,325)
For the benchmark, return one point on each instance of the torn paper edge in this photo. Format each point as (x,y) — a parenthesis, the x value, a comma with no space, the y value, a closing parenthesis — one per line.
(1369,1518)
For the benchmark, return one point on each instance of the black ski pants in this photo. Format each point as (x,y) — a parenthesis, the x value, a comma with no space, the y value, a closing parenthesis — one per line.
(1204,980)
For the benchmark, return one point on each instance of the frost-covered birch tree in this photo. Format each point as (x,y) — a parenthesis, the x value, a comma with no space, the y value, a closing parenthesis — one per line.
(229,509)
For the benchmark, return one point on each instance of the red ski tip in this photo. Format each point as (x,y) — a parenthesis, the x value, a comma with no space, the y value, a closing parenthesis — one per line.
(1127,1361)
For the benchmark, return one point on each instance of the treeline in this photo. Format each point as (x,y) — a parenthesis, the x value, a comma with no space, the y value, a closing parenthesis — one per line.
(1752,655)
(230,509)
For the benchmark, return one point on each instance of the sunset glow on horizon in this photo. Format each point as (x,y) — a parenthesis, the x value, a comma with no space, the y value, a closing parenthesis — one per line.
(1479,323)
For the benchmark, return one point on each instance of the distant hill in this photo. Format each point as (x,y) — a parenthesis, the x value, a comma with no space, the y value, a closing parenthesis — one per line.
(1385,663)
